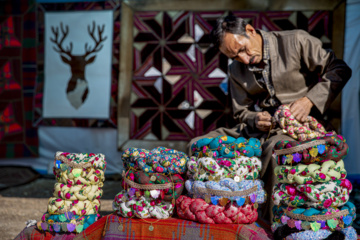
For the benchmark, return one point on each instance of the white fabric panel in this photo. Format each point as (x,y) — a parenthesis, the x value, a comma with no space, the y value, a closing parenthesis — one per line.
(350,95)
(97,73)
(74,140)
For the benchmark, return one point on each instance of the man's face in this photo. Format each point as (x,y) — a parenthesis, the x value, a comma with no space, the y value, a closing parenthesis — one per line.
(243,49)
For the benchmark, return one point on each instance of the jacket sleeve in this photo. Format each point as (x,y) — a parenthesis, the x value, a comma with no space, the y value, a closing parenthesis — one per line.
(241,102)
(333,72)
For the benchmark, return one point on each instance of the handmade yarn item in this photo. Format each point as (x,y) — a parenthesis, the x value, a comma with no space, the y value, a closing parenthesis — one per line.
(226,147)
(160,160)
(348,233)
(207,168)
(75,202)
(228,212)
(128,204)
(227,184)
(176,183)
(84,160)
(79,168)
(322,195)
(310,129)
(315,219)
(312,173)
(59,206)
(77,192)
(66,222)
(330,147)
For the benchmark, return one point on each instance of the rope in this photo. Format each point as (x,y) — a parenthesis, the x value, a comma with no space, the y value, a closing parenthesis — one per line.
(300,147)
(316,217)
(72,164)
(226,193)
(146,187)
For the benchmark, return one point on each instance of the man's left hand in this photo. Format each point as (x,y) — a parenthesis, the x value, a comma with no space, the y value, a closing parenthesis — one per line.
(301,108)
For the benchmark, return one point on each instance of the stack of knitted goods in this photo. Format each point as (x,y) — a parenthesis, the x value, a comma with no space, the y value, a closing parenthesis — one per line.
(75,203)
(311,198)
(152,182)
(223,185)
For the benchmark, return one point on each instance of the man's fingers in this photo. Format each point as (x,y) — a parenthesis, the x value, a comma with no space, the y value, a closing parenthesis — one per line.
(303,118)
(264,123)
(264,117)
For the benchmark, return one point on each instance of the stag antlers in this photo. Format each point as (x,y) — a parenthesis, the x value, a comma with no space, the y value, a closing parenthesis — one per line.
(97,47)
(65,32)
(88,49)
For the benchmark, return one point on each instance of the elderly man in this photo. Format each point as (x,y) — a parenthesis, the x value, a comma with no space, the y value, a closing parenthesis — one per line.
(271,69)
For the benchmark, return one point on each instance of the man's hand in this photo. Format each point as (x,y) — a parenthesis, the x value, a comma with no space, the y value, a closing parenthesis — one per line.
(263,121)
(301,108)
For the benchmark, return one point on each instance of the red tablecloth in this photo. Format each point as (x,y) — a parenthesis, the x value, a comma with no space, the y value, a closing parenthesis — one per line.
(108,228)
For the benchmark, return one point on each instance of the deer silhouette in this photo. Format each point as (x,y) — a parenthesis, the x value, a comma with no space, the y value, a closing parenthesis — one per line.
(77,88)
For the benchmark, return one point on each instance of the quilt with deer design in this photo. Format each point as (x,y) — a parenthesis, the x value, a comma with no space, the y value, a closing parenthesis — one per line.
(77,72)
(87,7)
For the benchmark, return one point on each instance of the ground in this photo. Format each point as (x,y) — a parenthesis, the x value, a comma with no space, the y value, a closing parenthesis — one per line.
(29,201)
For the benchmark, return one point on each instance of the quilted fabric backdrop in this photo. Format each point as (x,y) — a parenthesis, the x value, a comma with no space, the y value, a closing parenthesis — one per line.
(179,86)
(18,138)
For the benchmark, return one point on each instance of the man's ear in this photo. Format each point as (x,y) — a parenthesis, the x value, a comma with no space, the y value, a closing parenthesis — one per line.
(250,31)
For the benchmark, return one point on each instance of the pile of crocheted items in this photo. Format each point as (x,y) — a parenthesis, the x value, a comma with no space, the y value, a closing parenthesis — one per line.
(328,218)
(199,189)
(308,223)
(160,160)
(127,204)
(348,233)
(331,147)
(226,147)
(310,129)
(223,185)
(75,203)
(321,195)
(311,198)
(227,212)
(152,181)
(207,168)
(311,173)
(176,183)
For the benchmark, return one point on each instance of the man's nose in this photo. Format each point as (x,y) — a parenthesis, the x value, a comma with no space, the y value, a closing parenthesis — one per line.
(243,58)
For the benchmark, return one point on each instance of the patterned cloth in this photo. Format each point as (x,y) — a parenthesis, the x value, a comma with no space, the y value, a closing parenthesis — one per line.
(200,211)
(107,228)
(322,195)
(312,173)
(349,232)
(160,159)
(206,168)
(310,129)
(339,222)
(335,148)
(226,147)
(142,177)
(227,184)
(127,204)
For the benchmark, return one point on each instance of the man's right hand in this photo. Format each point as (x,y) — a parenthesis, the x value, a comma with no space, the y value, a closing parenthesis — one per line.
(263,121)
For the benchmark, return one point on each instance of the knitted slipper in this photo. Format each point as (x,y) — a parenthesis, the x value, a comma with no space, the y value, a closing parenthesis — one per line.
(310,129)
(239,168)
(322,195)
